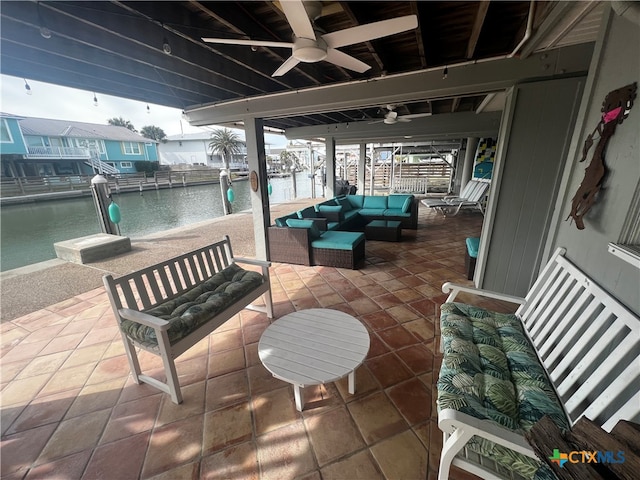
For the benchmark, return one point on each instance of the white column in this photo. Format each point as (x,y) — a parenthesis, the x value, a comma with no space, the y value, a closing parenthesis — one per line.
(470,155)
(362,169)
(257,160)
(330,164)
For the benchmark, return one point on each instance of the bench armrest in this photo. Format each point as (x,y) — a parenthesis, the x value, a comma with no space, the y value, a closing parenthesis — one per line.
(453,289)
(143,318)
(450,420)
(252,261)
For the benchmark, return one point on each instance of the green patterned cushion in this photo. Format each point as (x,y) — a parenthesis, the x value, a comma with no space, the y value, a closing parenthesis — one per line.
(193,308)
(491,371)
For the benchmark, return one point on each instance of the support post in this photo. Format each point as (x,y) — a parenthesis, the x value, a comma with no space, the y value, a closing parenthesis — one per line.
(257,162)
(330,167)
(294,186)
(100,194)
(362,168)
(225,184)
(469,157)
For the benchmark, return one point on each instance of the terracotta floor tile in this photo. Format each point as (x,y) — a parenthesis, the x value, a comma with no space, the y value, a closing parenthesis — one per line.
(397,337)
(61,344)
(333,435)
(81,356)
(173,445)
(252,333)
(221,363)
(226,427)
(359,466)
(274,409)
(376,417)
(226,390)
(188,471)
(402,456)
(378,320)
(96,397)
(19,451)
(402,313)
(388,369)
(417,358)
(412,399)
(422,328)
(365,384)
(239,462)
(261,381)
(21,391)
(27,351)
(67,467)
(43,364)
(192,404)
(285,453)
(130,453)
(44,410)
(373,290)
(133,417)
(364,305)
(229,340)
(74,435)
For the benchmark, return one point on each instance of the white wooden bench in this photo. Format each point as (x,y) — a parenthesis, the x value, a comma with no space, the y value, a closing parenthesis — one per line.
(587,345)
(169,307)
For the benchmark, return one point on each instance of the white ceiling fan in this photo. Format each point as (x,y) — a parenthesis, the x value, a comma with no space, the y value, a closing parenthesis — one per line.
(310,44)
(391,116)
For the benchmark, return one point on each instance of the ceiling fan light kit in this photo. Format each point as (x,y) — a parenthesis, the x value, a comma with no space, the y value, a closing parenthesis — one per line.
(311,45)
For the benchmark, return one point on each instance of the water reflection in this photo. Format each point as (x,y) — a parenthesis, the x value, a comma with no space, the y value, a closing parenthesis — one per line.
(29,231)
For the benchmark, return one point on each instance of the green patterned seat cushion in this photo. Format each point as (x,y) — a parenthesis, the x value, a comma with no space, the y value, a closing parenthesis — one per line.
(491,371)
(194,307)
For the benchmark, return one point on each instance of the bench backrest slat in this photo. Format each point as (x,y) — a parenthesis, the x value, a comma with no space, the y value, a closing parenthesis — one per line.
(146,288)
(587,341)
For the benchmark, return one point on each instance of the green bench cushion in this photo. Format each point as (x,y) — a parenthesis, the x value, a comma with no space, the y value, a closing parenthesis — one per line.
(195,307)
(335,240)
(491,371)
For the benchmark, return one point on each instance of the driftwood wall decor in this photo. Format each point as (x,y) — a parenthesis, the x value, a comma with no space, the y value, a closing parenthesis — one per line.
(615,109)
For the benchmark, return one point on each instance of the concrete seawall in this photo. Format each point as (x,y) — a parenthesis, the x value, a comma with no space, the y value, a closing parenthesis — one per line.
(28,289)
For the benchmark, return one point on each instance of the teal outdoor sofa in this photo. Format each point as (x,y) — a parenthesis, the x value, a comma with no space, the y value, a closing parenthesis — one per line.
(330,233)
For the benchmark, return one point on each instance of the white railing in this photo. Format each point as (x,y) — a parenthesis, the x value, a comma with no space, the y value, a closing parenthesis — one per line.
(58,152)
(99,166)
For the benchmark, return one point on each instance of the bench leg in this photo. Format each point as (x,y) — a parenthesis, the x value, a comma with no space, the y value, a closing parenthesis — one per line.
(451,445)
(132,356)
(169,368)
(268,301)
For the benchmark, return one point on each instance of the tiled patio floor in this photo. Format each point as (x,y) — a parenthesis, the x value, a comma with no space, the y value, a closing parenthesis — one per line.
(70,409)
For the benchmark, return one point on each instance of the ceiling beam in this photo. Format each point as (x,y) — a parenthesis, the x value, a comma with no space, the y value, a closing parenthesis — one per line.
(477,28)
(466,79)
(438,127)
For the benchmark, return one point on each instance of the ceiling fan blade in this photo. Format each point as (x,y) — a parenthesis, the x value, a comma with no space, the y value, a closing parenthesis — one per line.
(417,115)
(403,119)
(370,31)
(298,18)
(376,121)
(253,43)
(346,61)
(288,64)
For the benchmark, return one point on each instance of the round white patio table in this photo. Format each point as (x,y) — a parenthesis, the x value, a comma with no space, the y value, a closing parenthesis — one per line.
(314,346)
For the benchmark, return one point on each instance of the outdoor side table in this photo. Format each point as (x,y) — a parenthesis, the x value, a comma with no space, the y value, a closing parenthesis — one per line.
(385,230)
(313,347)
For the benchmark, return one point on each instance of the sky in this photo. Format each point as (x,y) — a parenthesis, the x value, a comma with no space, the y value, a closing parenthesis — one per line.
(63,103)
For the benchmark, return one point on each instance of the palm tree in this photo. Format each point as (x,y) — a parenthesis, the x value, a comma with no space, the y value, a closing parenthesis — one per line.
(121,122)
(226,143)
(154,133)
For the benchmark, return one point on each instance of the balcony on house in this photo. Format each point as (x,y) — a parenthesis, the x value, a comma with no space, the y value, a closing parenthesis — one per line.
(58,152)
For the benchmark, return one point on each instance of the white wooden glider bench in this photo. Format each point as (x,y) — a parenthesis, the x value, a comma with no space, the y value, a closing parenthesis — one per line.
(169,307)
(570,350)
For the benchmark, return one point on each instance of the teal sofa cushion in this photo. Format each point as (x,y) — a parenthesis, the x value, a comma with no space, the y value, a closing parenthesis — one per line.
(314,231)
(282,221)
(309,212)
(375,202)
(338,240)
(193,308)
(350,214)
(333,225)
(473,244)
(406,206)
(395,213)
(372,211)
(356,201)
(329,208)
(345,204)
(397,201)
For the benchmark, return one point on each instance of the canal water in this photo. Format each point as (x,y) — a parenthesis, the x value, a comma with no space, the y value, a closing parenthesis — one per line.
(28,231)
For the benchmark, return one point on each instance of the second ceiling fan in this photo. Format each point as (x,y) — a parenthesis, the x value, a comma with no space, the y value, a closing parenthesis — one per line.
(310,44)
(391,116)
